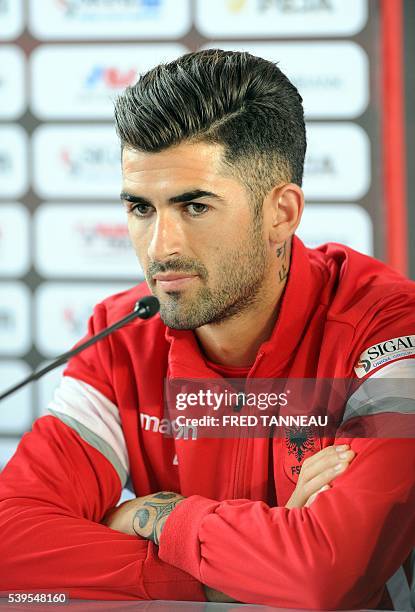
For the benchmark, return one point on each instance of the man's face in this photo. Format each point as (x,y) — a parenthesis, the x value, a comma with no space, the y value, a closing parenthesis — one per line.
(203,251)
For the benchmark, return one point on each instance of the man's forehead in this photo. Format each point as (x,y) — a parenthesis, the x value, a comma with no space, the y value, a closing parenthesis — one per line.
(184,167)
(201,157)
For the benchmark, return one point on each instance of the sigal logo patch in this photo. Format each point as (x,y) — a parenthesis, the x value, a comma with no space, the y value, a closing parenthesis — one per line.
(384,352)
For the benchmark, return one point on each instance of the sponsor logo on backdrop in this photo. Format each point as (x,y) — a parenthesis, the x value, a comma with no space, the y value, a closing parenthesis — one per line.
(81,240)
(63,310)
(262,18)
(284,6)
(101,83)
(384,352)
(235,6)
(337,165)
(115,9)
(322,165)
(109,19)
(75,320)
(75,161)
(101,239)
(319,82)
(87,78)
(90,163)
(324,80)
(109,77)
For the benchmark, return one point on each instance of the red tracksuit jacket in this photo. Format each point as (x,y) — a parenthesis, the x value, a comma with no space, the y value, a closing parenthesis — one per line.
(340,310)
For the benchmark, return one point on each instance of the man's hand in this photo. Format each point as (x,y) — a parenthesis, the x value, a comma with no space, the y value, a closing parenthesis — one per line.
(143,516)
(317,472)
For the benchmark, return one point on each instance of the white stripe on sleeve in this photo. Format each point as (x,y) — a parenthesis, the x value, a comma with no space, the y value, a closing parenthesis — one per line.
(94,418)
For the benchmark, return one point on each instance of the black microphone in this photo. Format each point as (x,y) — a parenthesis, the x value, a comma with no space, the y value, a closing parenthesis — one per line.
(144,309)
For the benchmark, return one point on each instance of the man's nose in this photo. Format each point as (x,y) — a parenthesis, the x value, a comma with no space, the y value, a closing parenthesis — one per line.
(167,237)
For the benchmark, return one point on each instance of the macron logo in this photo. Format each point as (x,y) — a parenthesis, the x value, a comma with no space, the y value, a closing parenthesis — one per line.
(167,427)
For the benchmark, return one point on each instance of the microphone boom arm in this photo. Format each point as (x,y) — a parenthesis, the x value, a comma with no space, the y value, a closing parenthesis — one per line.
(144,309)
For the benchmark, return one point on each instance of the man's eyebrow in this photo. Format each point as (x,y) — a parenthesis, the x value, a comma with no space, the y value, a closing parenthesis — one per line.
(187,196)
(129,197)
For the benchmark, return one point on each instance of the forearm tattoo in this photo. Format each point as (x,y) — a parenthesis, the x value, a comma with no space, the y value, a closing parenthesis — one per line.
(149,520)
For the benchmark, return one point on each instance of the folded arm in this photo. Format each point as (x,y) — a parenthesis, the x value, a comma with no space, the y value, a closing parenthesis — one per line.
(336,554)
(53,494)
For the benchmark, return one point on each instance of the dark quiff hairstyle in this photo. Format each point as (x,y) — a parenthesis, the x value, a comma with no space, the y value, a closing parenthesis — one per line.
(237,100)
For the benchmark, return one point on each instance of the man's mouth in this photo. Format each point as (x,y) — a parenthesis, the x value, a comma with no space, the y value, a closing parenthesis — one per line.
(173,281)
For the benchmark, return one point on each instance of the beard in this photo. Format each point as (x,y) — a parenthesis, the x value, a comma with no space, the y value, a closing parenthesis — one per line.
(240,274)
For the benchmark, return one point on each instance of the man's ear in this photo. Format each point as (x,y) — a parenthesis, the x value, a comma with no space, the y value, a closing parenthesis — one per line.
(283,207)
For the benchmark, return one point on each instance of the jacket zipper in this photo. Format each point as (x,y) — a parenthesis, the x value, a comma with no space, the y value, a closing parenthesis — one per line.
(242,452)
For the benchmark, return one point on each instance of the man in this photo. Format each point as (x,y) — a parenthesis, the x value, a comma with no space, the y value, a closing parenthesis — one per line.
(213,149)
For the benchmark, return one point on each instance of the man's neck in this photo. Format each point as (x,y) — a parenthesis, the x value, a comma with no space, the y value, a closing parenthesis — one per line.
(236,341)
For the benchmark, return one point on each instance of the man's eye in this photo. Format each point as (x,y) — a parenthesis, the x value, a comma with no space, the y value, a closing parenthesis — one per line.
(196,210)
(140,210)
